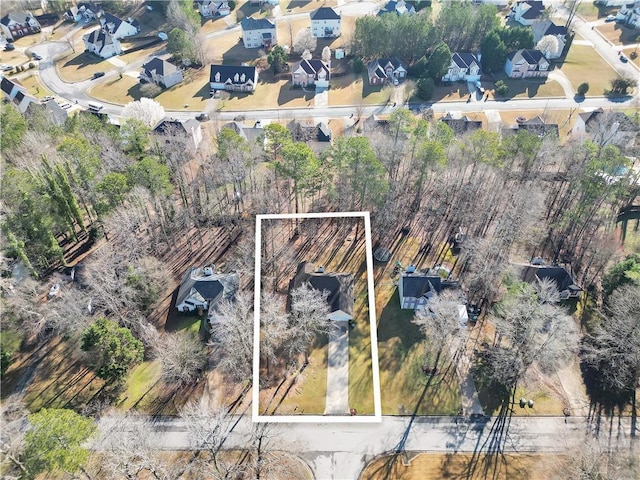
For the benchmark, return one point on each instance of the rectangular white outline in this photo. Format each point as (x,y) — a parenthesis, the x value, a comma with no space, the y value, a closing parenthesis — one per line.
(255,413)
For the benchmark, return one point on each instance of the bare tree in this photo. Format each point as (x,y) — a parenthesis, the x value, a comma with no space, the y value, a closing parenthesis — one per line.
(326,54)
(273,327)
(13,414)
(148,111)
(304,41)
(150,90)
(183,357)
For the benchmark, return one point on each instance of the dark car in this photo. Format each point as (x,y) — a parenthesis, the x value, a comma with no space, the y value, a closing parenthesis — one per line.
(202,117)
(98,75)
(623,59)
(8,47)
(35,56)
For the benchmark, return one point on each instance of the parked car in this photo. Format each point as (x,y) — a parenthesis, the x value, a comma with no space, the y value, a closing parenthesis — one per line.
(8,47)
(623,59)
(202,117)
(47,98)
(98,75)
(6,68)
(610,18)
(35,56)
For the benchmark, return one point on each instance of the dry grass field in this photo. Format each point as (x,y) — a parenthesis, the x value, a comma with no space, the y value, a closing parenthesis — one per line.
(583,64)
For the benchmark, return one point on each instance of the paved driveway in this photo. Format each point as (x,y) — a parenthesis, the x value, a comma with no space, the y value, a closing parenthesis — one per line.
(338,371)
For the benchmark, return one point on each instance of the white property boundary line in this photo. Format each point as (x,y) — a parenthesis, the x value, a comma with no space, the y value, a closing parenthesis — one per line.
(256,417)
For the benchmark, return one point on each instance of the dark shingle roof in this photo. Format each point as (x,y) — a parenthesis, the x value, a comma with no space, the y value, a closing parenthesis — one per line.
(464,60)
(312,67)
(109,18)
(531,56)
(160,66)
(6,85)
(211,289)
(339,286)
(557,274)
(325,13)
(228,73)
(461,125)
(169,125)
(417,285)
(99,38)
(18,17)
(249,23)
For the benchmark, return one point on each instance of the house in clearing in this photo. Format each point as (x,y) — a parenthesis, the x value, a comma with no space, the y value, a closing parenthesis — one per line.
(233,78)
(160,72)
(340,288)
(463,67)
(526,63)
(416,288)
(15,25)
(607,128)
(325,23)
(187,132)
(399,7)
(102,44)
(311,72)
(386,70)
(203,288)
(536,126)
(563,280)
(526,12)
(258,33)
(213,8)
(461,125)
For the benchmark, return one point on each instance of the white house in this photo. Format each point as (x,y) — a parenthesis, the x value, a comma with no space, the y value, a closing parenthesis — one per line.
(546,28)
(204,287)
(463,67)
(161,72)
(325,22)
(15,25)
(233,78)
(102,44)
(188,132)
(399,7)
(16,95)
(211,8)
(311,72)
(526,64)
(526,12)
(83,12)
(119,28)
(258,33)
(386,70)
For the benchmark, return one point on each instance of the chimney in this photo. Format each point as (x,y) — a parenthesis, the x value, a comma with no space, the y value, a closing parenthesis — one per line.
(320,269)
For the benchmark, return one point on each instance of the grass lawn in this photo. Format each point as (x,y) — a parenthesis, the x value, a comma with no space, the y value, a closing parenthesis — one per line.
(590,11)
(81,66)
(116,90)
(189,323)
(436,466)
(619,34)
(13,58)
(34,86)
(584,64)
(300,6)
(270,92)
(309,391)
(565,119)
(142,381)
(529,87)
(287,29)
(10,340)
(354,89)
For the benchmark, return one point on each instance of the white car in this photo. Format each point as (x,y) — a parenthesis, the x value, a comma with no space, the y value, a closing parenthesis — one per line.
(6,68)
(610,18)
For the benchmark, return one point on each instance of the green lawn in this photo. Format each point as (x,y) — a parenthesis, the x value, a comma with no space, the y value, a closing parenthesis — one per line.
(583,64)
(141,381)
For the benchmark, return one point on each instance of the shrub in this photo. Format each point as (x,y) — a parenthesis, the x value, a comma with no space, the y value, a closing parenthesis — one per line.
(358,65)
(425,87)
(32,65)
(583,88)
(501,88)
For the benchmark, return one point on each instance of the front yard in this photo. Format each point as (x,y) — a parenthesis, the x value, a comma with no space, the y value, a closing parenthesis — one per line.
(583,64)
(354,89)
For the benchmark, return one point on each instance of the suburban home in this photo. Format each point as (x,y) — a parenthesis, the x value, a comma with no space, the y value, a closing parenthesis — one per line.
(417,288)
(203,288)
(210,8)
(399,7)
(566,287)
(16,94)
(607,128)
(386,70)
(526,64)
(535,125)
(119,28)
(83,12)
(252,135)
(629,14)
(51,110)
(233,78)
(463,67)
(325,22)
(526,12)
(188,130)
(18,24)
(311,72)
(547,28)
(338,285)
(160,72)
(102,44)
(461,125)
(258,33)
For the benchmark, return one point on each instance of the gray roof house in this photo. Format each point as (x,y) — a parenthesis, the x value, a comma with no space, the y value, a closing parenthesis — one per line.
(526,63)
(417,288)
(102,44)
(526,12)
(204,287)
(258,33)
(15,25)
(535,125)
(562,278)
(161,72)
(462,124)
(233,78)
(338,285)
(311,72)
(463,67)
(119,28)
(326,22)
(189,131)
(385,70)
(17,95)
(607,128)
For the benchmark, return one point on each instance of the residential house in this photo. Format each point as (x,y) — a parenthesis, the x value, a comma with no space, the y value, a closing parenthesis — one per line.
(187,131)
(417,288)
(399,7)
(252,135)
(233,78)
(119,28)
(83,12)
(526,64)
(258,33)
(102,44)
(72,14)
(161,72)
(15,25)
(211,8)
(203,288)
(607,128)
(325,22)
(51,110)
(338,285)
(461,125)
(386,70)
(16,95)
(311,72)
(629,14)
(526,12)
(463,67)
(547,28)
(535,125)
(565,284)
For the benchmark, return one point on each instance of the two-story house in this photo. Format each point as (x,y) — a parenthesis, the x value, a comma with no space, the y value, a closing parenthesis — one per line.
(547,28)
(102,44)
(213,8)
(83,12)
(526,64)
(386,70)
(233,78)
(325,22)
(16,94)
(187,132)
(311,72)
(629,14)
(119,28)
(160,72)
(258,33)
(526,12)
(18,24)
(463,67)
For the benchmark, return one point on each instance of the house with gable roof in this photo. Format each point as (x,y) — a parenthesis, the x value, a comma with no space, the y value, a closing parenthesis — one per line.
(463,67)
(311,72)
(399,7)
(233,78)
(526,63)
(15,25)
(416,288)
(461,125)
(526,12)
(119,28)
(203,288)
(16,94)
(547,28)
(161,72)
(258,33)
(213,8)
(326,23)
(102,44)
(338,285)
(607,128)
(563,280)
(386,70)
(187,132)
